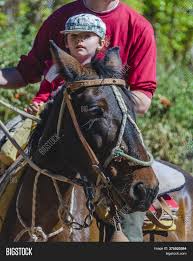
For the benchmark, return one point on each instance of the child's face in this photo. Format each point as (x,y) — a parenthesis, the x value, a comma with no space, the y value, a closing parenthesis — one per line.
(83,45)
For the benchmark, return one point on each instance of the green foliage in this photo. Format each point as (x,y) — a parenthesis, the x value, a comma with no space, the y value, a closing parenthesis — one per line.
(173,24)
(167,127)
(14,42)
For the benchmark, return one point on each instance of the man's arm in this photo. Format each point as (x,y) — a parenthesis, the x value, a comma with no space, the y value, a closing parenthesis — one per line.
(10,78)
(142,102)
(142,64)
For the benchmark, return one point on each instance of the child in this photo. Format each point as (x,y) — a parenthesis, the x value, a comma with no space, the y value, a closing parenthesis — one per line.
(84,36)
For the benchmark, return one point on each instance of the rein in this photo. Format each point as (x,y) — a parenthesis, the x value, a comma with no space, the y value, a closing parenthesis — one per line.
(20,112)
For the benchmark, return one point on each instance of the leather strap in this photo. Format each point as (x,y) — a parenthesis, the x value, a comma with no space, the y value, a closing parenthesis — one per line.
(95,83)
(87,147)
(160,207)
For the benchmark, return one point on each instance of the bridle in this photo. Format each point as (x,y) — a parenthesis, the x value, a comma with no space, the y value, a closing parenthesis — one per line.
(118,149)
(101,179)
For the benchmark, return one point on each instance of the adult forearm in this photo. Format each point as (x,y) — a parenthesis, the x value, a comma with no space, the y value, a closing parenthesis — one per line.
(142,102)
(10,78)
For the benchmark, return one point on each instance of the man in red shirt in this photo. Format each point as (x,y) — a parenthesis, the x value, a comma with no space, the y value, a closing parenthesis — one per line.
(126,29)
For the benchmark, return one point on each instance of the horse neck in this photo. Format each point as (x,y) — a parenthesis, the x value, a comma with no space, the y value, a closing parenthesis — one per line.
(47,204)
(47,201)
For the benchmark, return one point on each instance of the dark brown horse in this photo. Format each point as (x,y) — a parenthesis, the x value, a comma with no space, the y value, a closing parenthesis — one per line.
(58,147)
(100,119)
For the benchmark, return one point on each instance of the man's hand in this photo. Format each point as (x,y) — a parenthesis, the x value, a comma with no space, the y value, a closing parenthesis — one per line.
(142,102)
(10,78)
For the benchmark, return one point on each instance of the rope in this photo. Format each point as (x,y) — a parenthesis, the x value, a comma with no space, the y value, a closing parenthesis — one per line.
(20,234)
(62,210)
(34,166)
(123,109)
(120,153)
(124,112)
(34,199)
(117,151)
(61,115)
(17,208)
(36,233)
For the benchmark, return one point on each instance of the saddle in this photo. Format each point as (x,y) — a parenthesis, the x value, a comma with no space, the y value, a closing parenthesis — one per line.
(20,130)
(12,165)
(170,179)
(161,215)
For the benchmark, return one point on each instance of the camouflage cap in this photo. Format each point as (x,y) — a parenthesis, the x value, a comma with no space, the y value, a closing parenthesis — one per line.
(85,23)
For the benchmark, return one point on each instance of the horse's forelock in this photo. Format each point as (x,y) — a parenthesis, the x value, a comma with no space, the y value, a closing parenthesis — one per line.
(104,71)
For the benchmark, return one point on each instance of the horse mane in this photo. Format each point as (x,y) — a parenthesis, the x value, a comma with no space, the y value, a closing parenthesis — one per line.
(105,71)
(38,131)
(102,71)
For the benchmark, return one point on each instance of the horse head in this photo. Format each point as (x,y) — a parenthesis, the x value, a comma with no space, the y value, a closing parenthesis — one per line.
(93,116)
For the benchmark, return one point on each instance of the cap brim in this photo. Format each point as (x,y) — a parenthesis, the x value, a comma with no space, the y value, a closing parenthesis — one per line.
(79,31)
(74,32)
(71,31)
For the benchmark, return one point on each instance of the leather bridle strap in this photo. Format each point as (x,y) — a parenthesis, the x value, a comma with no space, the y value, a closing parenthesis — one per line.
(87,147)
(161,206)
(94,161)
(95,83)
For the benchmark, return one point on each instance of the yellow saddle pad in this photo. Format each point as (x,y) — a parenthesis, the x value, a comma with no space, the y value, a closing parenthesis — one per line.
(8,193)
(8,152)
(8,155)
(149,226)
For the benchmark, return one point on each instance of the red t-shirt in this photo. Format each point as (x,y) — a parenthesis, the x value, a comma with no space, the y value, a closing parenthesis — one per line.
(49,84)
(125,28)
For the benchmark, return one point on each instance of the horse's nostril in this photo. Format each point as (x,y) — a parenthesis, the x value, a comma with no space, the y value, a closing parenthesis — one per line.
(139,191)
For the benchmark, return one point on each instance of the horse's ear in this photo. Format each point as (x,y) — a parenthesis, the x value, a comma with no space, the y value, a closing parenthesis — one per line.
(68,66)
(112,59)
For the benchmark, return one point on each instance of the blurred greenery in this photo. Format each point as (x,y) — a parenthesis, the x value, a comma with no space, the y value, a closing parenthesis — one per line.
(168,126)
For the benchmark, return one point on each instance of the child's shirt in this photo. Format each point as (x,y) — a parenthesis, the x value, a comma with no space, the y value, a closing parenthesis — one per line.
(49,84)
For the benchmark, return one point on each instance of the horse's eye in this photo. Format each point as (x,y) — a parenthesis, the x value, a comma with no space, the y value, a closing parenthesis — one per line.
(96,111)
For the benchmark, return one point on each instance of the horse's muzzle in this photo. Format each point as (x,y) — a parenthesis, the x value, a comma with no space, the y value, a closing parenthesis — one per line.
(142,196)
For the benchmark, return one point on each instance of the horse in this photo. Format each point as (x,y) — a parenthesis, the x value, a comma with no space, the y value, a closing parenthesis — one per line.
(74,141)
(86,143)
